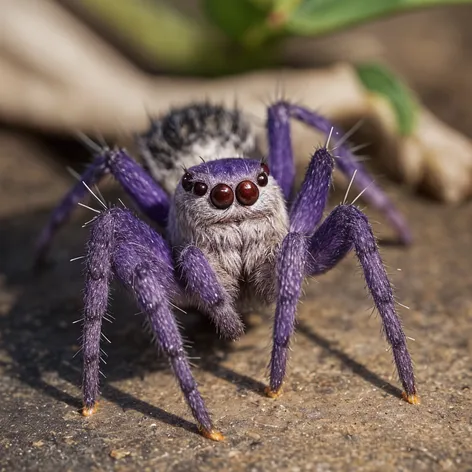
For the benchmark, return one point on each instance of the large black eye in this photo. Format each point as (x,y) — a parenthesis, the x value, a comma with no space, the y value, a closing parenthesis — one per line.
(247,193)
(222,196)
(200,189)
(187,183)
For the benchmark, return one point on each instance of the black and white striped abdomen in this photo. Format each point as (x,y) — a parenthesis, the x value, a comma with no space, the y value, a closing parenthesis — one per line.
(186,135)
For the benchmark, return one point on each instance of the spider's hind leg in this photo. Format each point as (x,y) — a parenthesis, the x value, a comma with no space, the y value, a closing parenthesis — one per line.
(145,192)
(63,210)
(124,246)
(282,163)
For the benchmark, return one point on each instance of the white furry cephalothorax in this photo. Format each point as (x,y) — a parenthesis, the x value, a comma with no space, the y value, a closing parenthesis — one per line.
(241,242)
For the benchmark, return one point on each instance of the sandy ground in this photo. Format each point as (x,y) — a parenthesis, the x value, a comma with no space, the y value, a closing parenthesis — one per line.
(341,409)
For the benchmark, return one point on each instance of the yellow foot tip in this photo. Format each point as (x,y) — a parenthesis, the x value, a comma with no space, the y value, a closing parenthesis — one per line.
(212,434)
(271,394)
(89,410)
(412,399)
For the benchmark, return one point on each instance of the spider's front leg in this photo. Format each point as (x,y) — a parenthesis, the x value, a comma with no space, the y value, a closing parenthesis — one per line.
(305,214)
(304,253)
(346,228)
(122,245)
(283,167)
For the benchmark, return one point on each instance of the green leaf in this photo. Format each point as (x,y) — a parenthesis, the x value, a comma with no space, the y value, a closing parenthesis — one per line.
(380,80)
(236,17)
(315,17)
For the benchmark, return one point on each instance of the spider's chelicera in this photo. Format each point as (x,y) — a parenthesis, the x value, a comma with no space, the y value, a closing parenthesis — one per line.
(231,238)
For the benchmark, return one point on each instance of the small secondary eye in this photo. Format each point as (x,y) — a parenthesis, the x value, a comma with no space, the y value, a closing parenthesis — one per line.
(200,189)
(262,179)
(187,183)
(222,196)
(265,168)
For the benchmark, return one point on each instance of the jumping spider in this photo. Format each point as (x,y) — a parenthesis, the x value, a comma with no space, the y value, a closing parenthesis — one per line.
(231,238)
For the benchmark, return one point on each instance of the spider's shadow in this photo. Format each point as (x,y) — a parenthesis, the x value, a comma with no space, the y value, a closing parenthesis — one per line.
(348,361)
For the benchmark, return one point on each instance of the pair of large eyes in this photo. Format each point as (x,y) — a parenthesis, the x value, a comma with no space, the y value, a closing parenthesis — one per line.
(222,195)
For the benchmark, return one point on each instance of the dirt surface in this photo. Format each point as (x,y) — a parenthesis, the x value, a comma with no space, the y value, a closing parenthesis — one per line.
(341,409)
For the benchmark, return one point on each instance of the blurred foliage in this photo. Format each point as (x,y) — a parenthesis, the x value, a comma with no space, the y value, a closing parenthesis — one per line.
(379,80)
(253,23)
(225,36)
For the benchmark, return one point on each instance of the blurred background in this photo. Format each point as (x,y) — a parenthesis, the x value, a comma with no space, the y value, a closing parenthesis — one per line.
(102,67)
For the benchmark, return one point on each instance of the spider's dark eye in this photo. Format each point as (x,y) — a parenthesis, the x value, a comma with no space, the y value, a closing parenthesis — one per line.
(247,193)
(200,189)
(187,183)
(222,196)
(262,179)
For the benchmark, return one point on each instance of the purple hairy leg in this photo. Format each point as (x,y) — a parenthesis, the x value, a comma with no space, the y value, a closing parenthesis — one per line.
(291,271)
(146,193)
(308,207)
(282,165)
(279,113)
(346,228)
(141,259)
(61,213)
(97,279)
(305,214)
(201,282)
(150,197)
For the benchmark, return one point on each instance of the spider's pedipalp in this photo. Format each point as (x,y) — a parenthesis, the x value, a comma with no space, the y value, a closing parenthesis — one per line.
(203,286)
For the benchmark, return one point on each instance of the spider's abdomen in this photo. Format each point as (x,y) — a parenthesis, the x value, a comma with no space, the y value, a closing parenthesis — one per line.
(186,135)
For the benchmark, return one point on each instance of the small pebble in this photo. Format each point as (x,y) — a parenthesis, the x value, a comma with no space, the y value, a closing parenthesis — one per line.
(119,453)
